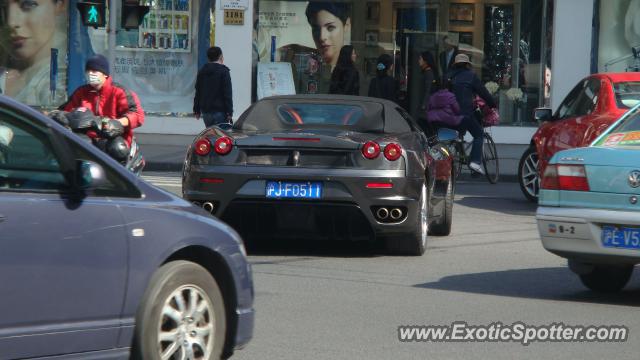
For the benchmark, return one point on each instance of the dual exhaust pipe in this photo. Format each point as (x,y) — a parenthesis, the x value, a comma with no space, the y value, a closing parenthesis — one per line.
(208,206)
(384,214)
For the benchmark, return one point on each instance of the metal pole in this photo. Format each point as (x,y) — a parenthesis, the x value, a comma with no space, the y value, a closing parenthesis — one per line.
(111,29)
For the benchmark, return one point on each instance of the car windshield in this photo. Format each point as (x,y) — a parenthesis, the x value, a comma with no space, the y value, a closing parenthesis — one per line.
(627,94)
(313,115)
(624,134)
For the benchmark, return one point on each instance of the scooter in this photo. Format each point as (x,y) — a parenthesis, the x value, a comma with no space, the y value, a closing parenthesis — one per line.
(105,134)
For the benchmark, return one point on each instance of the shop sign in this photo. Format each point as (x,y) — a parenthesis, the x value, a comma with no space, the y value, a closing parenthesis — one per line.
(234,4)
(234,17)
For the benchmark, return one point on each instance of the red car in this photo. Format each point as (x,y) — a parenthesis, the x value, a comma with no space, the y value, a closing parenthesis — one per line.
(593,104)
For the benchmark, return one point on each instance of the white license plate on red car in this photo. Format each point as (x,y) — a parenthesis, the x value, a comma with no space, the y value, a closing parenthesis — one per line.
(293,190)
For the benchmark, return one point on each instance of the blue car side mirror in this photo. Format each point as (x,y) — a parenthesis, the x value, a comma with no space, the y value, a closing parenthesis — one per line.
(90,175)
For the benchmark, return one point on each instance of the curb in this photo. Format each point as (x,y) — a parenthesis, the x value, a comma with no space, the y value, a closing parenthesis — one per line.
(162,166)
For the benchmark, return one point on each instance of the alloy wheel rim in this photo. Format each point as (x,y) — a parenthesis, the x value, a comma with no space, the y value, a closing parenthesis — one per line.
(186,329)
(530,178)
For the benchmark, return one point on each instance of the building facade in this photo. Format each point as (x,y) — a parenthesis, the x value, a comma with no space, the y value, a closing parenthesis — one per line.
(530,52)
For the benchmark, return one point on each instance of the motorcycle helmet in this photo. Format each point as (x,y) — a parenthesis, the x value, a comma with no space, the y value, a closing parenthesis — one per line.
(101,143)
(118,149)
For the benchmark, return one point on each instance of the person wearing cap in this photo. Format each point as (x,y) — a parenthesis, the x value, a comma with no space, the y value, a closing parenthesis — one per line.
(106,98)
(447,57)
(466,85)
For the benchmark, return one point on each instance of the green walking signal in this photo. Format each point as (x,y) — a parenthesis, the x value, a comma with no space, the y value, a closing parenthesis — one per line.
(92,13)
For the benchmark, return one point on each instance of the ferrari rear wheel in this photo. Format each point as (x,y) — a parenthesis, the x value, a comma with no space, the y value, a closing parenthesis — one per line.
(415,242)
(607,279)
(443,226)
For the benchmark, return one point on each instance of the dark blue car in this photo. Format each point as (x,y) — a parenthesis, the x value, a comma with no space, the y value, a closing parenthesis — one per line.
(97,263)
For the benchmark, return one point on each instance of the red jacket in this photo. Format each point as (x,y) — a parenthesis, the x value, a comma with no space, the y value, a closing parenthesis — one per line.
(112,101)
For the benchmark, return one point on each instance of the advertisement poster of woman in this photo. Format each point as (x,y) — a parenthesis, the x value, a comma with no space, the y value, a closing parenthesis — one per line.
(322,27)
(307,34)
(34,28)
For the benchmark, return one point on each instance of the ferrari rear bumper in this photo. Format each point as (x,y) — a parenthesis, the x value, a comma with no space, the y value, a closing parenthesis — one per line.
(348,209)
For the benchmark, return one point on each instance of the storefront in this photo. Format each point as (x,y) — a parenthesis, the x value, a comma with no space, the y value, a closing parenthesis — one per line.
(509,43)
(43,59)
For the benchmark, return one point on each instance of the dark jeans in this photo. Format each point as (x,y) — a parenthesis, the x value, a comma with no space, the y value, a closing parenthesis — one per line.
(211,119)
(470,123)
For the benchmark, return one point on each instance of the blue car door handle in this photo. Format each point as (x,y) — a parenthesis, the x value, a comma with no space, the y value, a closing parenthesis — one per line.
(2,218)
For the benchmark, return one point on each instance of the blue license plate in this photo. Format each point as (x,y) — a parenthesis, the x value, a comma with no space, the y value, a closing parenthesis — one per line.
(294,190)
(625,238)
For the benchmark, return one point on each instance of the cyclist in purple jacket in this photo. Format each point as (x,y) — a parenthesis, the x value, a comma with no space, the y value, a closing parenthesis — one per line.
(443,109)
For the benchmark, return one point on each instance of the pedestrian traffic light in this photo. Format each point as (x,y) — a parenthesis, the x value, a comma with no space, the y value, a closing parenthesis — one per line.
(92,13)
(132,14)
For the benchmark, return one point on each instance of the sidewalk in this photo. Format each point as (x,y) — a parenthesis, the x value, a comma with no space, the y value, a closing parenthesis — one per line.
(164,152)
(167,153)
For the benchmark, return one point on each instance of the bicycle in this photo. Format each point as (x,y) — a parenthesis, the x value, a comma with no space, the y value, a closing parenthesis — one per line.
(489,156)
(460,150)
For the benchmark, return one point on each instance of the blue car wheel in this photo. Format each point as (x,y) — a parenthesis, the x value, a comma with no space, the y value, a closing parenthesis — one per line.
(182,315)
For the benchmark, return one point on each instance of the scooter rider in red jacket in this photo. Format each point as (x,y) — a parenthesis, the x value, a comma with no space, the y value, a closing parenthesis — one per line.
(107,99)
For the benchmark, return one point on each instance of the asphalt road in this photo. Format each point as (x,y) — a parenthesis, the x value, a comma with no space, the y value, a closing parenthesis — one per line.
(337,302)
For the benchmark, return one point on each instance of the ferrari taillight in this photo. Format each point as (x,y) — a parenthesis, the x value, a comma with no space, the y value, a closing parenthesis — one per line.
(370,150)
(565,177)
(203,147)
(223,145)
(392,152)
(379,185)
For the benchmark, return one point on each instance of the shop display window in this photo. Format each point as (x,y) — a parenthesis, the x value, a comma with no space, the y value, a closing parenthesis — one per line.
(508,43)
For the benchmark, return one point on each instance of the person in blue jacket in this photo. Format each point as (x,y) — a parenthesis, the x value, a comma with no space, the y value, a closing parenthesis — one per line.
(465,84)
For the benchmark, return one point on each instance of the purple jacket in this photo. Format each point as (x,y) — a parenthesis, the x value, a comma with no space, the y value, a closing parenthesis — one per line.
(443,108)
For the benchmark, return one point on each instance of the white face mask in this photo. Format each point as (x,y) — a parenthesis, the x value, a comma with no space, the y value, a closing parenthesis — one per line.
(93,79)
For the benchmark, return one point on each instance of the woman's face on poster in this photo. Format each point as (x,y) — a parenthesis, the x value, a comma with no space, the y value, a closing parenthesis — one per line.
(547,77)
(328,33)
(33,24)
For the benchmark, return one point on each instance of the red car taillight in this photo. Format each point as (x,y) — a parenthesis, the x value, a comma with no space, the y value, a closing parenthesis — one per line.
(377,185)
(370,150)
(392,152)
(223,145)
(203,147)
(565,177)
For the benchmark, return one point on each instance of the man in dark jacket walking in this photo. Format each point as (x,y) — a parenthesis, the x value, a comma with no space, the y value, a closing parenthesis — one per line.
(213,100)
